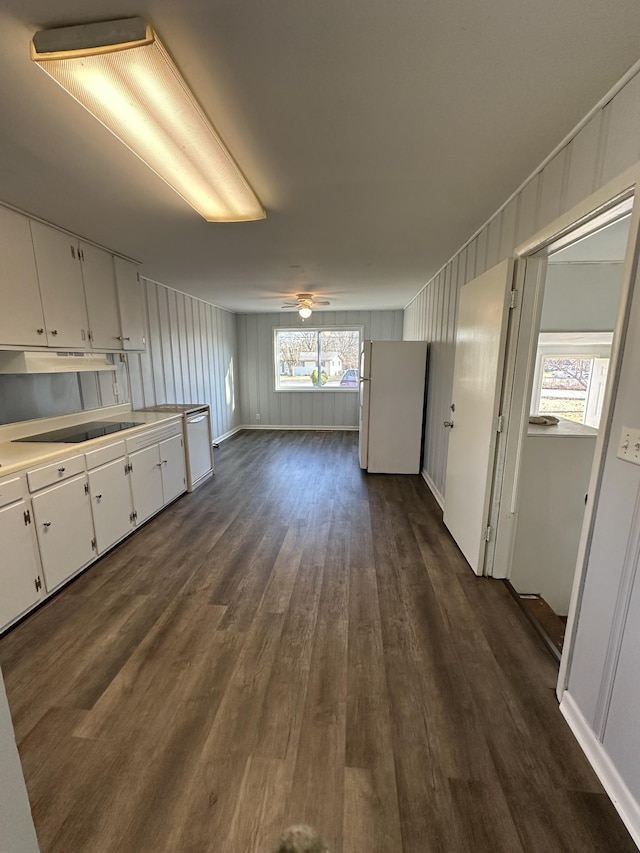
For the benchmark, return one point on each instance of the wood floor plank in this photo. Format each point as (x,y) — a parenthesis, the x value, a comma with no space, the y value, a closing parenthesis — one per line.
(296,642)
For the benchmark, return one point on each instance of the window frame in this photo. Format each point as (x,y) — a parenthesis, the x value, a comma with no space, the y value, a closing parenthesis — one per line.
(351,327)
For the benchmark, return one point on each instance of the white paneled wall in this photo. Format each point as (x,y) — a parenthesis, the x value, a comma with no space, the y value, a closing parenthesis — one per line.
(191,356)
(607,145)
(299,408)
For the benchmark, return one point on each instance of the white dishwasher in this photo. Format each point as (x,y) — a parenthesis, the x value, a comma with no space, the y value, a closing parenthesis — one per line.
(198,439)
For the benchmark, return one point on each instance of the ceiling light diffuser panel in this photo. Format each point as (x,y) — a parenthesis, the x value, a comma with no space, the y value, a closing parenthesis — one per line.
(121,73)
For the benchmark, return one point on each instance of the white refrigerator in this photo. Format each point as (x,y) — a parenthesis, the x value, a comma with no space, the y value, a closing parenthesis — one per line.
(392,400)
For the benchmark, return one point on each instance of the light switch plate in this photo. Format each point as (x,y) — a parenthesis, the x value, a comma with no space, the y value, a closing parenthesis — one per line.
(629,446)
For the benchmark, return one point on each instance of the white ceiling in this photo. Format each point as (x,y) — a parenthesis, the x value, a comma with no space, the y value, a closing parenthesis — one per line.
(378,135)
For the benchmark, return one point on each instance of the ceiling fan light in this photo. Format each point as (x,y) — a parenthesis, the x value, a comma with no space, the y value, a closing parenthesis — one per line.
(121,73)
(305,312)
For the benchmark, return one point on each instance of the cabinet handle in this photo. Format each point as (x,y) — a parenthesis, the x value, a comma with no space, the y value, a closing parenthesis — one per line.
(120,338)
(54,331)
(158,464)
(448,424)
(98,497)
(40,331)
(73,252)
(61,470)
(164,461)
(46,524)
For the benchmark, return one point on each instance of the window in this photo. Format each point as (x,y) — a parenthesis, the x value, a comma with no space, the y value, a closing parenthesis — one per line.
(317,359)
(571,376)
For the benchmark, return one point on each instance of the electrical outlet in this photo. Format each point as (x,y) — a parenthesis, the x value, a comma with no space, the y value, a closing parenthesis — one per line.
(258,417)
(116,390)
(629,446)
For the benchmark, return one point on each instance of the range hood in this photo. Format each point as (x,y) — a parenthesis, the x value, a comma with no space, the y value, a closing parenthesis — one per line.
(45,361)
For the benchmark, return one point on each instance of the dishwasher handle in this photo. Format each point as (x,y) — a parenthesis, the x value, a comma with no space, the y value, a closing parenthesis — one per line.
(195,419)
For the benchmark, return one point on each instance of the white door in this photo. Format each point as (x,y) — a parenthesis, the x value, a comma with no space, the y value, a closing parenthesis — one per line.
(61,288)
(481,334)
(110,503)
(20,569)
(100,291)
(365,369)
(146,482)
(174,478)
(21,317)
(131,308)
(65,529)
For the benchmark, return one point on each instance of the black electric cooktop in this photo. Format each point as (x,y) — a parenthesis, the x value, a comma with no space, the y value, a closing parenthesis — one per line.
(81,432)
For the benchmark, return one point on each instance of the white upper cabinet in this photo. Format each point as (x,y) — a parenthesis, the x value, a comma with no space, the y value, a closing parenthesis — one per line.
(130,301)
(21,317)
(100,291)
(61,288)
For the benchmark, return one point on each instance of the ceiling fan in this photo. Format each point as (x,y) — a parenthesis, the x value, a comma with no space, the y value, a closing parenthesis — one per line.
(305,303)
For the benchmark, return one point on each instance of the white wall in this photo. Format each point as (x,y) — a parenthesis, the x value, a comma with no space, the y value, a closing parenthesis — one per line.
(300,408)
(17,833)
(603,698)
(605,147)
(191,356)
(581,297)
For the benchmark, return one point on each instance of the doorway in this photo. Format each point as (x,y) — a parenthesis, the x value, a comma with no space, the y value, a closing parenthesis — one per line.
(580,297)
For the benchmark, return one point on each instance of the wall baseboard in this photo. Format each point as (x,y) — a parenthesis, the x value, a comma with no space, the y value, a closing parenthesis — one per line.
(432,488)
(627,806)
(225,435)
(281,427)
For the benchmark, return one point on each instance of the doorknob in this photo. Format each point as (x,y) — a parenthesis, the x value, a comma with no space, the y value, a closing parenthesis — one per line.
(448,424)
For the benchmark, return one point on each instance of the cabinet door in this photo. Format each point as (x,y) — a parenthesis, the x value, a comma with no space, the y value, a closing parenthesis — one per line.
(174,480)
(132,320)
(21,317)
(20,568)
(61,289)
(65,529)
(146,482)
(100,291)
(110,503)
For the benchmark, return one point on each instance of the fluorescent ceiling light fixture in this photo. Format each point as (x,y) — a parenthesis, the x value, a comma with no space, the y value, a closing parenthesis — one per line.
(305,312)
(121,73)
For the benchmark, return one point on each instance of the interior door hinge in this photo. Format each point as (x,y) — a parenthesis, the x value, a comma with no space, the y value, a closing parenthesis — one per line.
(500,424)
(38,583)
(27,517)
(94,544)
(513,299)
(487,534)
(86,488)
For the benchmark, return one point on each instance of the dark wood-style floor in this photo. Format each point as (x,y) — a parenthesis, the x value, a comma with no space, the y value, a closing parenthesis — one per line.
(296,642)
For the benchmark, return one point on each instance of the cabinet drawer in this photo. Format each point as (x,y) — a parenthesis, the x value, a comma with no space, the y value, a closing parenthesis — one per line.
(153,436)
(11,490)
(55,473)
(104,454)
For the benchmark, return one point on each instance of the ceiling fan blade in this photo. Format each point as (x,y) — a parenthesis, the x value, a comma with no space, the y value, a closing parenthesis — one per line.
(321,302)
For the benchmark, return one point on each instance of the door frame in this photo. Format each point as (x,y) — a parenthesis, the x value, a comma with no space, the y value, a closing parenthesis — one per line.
(592,213)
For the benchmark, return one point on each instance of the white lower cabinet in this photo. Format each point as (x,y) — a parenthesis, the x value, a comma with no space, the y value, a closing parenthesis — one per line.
(64,527)
(20,575)
(158,475)
(146,482)
(174,475)
(57,518)
(110,503)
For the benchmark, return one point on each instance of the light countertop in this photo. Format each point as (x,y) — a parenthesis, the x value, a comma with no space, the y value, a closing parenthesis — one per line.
(16,457)
(563,429)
